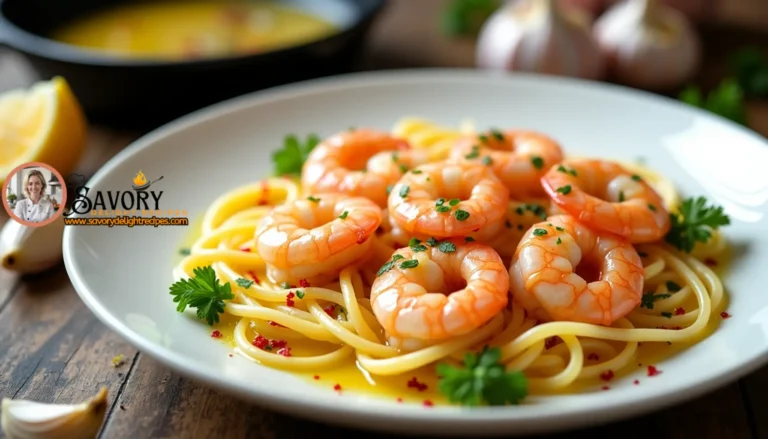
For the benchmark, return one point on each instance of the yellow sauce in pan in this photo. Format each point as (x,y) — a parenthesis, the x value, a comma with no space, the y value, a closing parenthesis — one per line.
(188,30)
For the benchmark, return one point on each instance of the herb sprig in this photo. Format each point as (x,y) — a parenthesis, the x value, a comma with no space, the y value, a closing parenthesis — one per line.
(727,100)
(291,157)
(695,223)
(204,292)
(483,379)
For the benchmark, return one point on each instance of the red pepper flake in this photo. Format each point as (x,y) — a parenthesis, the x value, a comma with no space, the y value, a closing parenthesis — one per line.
(230,355)
(254,277)
(303,283)
(278,343)
(245,249)
(428,403)
(710,262)
(607,375)
(636,382)
(216,333)
(361,236)
(593,356)
(260,342)
(337,387)
(289,299)
(285,352)
(264,193)
(414,383)
(606,388)
(552,342)
(399,399)
(724,315)
(271,323)
(680,311)
(329,309)
(652,371)
(317,377)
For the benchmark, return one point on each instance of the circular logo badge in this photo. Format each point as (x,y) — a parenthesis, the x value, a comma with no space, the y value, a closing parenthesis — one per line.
(34,194)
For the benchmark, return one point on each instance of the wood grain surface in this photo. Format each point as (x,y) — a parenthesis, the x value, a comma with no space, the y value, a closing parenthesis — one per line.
(53,349)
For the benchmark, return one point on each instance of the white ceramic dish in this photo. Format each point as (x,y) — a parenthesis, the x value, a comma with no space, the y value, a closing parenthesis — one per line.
(123,274)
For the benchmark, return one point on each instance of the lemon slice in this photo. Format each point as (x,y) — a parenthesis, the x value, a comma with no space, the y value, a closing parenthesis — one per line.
(44,123)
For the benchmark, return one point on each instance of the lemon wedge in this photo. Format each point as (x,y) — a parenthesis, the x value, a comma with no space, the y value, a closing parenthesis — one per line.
(44,123)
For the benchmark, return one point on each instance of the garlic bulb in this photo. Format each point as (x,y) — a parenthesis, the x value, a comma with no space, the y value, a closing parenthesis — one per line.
(27,249)
(539,36)
(648,45)
(33,420)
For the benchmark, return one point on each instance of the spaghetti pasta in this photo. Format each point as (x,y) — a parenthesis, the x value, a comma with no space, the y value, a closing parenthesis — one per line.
(334,325)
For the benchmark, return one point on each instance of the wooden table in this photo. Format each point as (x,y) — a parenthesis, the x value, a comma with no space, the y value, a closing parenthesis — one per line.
(53,349)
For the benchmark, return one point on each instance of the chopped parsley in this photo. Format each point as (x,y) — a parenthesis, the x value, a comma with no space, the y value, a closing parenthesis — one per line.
(461,215)
(647,300)
(447,247)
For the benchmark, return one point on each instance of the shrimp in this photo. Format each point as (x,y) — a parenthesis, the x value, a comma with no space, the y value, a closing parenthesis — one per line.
(339,165)
(445,200)
(434,294)
(315,238)
(607,197)
(546,273)
(519,158)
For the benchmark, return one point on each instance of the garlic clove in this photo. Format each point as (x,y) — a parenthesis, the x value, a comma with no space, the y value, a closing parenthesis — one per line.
(648,45)
(27,249)
(539,36)
(34,420)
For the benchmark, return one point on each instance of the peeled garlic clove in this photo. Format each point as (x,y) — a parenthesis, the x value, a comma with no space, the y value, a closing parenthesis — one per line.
(27,249)
(648,45)
(539,36)
(34,420)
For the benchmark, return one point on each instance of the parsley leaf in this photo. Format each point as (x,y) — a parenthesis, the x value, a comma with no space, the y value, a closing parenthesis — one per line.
(291,157)
(461,215)
(447,247)
(483,379)
(416,245)
(204,292)
(726,100)
(694,223)
(647,300)
(465,17)
(751,68)
(245,283)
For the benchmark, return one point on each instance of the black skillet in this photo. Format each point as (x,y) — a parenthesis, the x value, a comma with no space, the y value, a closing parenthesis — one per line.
(143,94)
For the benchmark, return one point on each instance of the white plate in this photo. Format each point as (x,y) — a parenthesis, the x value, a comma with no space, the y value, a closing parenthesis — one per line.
(123,274)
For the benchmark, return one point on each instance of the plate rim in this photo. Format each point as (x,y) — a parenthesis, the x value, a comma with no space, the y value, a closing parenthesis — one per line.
(365,416)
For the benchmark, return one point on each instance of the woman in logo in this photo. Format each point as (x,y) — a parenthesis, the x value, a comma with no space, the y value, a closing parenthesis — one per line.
(37,207)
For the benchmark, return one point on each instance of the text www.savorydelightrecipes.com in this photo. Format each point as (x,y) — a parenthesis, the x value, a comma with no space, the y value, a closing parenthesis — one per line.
(127,221)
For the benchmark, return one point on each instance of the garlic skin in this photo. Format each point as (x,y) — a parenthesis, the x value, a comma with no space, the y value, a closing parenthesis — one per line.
(648,45)
(27,249)
(34,420)
(542,37)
